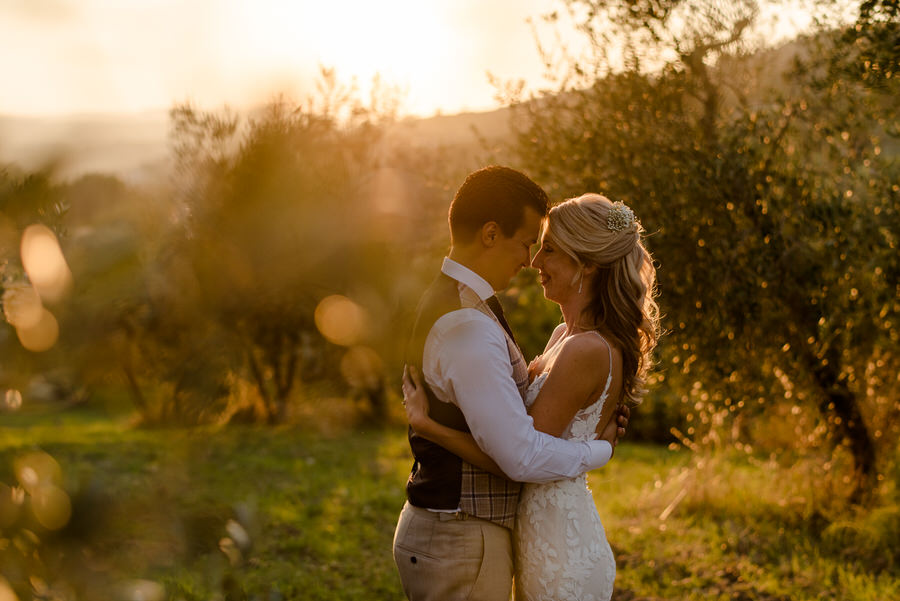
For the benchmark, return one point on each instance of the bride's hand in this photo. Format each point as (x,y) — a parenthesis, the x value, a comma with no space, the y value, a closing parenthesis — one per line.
(533,369)
(414,398)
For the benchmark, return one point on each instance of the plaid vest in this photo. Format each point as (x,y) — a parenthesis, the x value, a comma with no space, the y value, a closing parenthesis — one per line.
(439,479)
(483,494)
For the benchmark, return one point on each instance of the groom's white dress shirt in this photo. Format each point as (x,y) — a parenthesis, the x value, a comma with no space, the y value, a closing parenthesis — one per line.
(466,362)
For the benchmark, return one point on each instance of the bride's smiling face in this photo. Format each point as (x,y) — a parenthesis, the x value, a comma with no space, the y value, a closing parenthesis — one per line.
(558,271)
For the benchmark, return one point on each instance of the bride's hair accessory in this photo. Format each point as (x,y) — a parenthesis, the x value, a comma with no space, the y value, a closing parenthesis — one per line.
(620,218)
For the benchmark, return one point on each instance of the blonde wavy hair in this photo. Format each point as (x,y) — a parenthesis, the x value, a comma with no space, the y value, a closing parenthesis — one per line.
(623,289)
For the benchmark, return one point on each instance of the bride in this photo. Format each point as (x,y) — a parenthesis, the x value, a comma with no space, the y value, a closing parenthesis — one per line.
(593,264)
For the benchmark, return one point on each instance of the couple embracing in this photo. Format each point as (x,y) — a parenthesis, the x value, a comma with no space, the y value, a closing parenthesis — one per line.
(497,492)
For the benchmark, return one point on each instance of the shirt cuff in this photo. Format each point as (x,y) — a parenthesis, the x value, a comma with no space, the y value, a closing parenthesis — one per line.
(599,454)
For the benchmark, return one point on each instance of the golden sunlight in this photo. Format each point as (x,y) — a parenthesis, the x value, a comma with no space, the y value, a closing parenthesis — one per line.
(403,41)
(36,468)
(340,320)
(362,367)
(40,336)
(21,305)
(12,401)
(142,590)
(44,262)
(51,506)
(6,592)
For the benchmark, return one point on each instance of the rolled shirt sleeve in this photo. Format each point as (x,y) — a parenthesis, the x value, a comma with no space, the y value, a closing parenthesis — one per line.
(470,367)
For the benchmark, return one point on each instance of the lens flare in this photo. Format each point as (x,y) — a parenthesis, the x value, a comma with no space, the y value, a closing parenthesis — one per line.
(231,551)
(142,590)
(12,400)
(36,469)
(340,320)
(362,367)
(42,335)
(51,506)
(44,263)
(22,305)
(238,534)
(6,592)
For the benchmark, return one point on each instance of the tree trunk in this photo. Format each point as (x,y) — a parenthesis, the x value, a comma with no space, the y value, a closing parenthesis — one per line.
(286,382)
(378,402)
(846,424)
(258,375)
(135,388)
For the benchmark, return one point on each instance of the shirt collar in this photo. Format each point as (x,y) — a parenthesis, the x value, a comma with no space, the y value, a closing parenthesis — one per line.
(463,274)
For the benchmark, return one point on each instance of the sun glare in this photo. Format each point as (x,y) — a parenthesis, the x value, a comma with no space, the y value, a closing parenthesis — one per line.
(404,41)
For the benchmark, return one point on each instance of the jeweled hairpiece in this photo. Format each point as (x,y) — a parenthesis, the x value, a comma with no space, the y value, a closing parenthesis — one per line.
(620,217)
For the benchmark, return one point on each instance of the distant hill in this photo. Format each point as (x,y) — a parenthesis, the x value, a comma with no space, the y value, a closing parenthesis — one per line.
(455,130)
(135,147)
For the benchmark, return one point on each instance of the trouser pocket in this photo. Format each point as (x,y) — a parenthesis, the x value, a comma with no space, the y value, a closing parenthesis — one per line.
(438,560)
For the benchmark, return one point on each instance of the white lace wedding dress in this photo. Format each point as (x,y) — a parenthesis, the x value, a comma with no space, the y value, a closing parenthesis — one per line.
(560,544)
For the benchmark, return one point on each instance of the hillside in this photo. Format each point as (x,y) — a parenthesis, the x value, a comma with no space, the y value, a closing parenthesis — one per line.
(135,146)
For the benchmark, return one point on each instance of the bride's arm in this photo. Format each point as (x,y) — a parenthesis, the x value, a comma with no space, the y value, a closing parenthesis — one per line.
(462,444)
(577,376)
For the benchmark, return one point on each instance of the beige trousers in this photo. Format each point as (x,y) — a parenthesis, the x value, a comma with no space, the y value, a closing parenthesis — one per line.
(452,557)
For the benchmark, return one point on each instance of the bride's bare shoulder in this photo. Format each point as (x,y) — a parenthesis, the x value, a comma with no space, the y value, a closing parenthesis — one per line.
(586,346)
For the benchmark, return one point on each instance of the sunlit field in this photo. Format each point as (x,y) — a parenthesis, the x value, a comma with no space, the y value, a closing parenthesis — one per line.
(288,513)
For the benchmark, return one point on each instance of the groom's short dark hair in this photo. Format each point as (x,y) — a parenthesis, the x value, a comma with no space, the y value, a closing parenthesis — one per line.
(497,194)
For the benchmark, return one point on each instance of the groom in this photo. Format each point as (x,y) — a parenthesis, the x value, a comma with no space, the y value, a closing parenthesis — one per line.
(453,539)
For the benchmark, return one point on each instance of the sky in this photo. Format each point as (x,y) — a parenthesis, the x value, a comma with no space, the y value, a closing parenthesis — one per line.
(75,56)
(125,56)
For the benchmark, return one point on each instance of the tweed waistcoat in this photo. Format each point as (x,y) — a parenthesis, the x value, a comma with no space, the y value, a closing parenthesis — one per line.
(440,479)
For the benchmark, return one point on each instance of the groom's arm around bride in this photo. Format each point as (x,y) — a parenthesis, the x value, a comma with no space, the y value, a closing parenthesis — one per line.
(453,537)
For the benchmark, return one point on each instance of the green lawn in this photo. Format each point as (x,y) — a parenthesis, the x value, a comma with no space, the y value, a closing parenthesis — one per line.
(170,507)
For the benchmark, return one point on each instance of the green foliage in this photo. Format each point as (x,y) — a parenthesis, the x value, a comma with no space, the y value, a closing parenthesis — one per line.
(199,296)
(772,214)
(278,227)
(315,524)
(291,513)
(25,199)
(868,50)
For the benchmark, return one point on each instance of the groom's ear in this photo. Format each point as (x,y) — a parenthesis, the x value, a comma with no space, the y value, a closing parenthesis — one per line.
(490,234)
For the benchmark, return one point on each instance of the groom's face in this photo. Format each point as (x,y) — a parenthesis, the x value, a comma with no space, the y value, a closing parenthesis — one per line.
(514,252)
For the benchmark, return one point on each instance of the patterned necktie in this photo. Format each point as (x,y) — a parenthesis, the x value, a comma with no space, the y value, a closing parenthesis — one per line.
(495,306)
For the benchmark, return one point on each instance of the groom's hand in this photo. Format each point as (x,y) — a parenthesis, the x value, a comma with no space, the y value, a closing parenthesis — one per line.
(623,414)
(615,427)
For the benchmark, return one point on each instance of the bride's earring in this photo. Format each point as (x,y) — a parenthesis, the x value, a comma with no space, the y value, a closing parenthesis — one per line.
(581,281)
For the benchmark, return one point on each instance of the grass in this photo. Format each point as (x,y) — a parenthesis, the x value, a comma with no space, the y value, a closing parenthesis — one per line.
(173,507)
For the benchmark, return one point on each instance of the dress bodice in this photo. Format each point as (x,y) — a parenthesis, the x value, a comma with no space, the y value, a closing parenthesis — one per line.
(584,425)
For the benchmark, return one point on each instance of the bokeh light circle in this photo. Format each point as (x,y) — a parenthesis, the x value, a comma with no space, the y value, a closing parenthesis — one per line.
(362,367)
(22,305)
(35,469)
(42,335)
(340,320)
(51,506)
(44,262)
(12,400)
